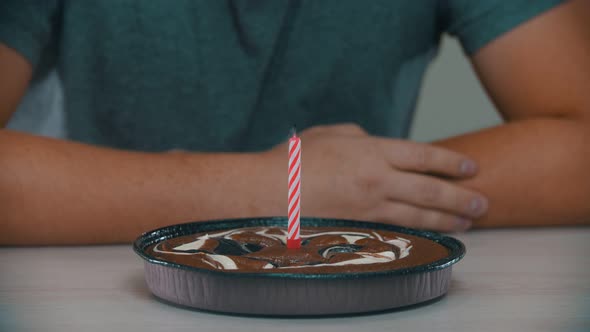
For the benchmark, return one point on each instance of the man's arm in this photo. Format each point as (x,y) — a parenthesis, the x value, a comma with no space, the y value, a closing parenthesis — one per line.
(534,169)
(15,75)
(58,192)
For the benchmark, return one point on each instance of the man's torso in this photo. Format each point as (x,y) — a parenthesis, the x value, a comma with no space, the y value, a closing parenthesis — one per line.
(236,75)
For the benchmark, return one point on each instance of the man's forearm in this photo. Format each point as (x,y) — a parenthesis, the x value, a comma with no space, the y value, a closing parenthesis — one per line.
(57,192)
(534,171)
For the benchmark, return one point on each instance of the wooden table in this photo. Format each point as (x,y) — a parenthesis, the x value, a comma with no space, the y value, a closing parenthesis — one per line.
(510,280)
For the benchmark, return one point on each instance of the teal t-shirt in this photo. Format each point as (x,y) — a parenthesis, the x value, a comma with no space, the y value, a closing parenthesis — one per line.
(235,75)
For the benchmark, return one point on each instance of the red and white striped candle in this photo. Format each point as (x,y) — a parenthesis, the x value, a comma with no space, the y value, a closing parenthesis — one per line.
(293,237)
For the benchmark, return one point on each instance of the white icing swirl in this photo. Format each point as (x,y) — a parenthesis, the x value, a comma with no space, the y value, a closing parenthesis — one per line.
(224,262)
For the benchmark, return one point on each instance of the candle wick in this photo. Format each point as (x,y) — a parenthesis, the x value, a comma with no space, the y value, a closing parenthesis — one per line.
(293,131)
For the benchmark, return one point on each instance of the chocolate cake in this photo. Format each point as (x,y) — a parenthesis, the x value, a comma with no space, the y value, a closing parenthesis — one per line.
(323,250)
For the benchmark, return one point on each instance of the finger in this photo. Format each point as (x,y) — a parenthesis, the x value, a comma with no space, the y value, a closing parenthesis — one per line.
(416,217)
(426,158)
(430,192)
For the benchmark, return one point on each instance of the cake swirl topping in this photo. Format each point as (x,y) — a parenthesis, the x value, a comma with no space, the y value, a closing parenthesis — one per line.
(263,249)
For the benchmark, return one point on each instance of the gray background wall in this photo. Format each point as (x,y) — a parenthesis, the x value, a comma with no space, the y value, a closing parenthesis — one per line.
(451,102)
(452,99)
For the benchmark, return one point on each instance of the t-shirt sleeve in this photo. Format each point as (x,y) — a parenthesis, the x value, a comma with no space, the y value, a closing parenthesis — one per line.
(477,23)
(28,26)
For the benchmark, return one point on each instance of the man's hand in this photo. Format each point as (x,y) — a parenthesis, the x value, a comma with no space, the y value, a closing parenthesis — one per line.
(350,174)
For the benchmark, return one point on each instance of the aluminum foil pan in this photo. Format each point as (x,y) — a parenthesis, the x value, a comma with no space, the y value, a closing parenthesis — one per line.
(290,294)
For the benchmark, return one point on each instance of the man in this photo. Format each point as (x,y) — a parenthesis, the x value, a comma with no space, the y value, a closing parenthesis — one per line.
(226,80)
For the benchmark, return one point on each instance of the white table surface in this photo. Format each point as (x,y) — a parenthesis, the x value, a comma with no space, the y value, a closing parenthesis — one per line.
(510,280)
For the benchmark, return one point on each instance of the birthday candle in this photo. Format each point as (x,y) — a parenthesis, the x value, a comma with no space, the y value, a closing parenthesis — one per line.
(293,238)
